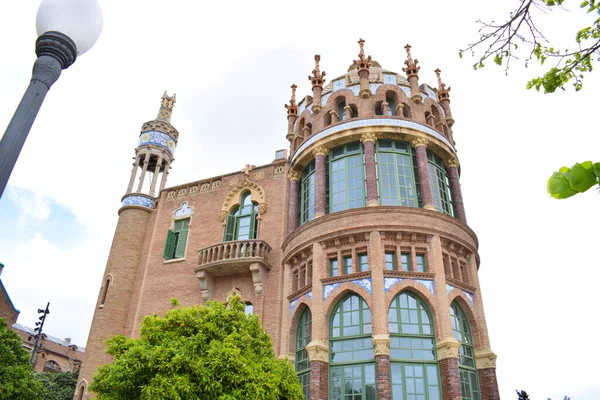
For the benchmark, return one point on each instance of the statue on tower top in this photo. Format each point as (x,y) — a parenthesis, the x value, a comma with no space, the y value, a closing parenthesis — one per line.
(362,62)
(166,107)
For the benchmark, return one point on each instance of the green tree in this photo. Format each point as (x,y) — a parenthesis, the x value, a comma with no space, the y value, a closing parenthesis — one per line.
(518,35)
(202,352)
(17,381)
(58,386)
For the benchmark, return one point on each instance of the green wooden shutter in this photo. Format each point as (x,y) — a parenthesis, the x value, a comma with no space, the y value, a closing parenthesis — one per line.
(253,224)
(169,245)
(180,249)
(230,228)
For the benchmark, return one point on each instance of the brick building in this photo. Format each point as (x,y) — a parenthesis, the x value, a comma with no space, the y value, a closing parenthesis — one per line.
(353,249)
(8,310)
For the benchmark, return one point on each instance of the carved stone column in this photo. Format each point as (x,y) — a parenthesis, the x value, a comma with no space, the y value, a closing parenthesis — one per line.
(294,177)
(318,354)
(485,360)
(447,354)
(320,153)
(368,140)
(381,346)
(155,176)
(163,182)
(144,169)
(136,165)
(455,191)
(420,145)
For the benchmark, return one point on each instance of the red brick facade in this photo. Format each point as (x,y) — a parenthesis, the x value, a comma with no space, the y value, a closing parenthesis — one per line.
(319,379)
(450,379)
(488,384)
(382,375)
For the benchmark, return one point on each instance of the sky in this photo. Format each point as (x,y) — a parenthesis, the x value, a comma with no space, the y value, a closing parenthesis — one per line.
(231,65)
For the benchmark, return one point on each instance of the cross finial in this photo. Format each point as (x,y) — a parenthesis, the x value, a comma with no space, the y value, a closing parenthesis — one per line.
(363,62)
(411,65)
(442,91)
(407,48)
(361,43)
(247,170)
(318,76)
(166,107)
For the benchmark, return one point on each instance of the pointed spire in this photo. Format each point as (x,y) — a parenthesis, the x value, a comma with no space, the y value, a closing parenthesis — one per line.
(166,107)
(442,91)
(362,62)
(411,65)
(292,107)
(318,77)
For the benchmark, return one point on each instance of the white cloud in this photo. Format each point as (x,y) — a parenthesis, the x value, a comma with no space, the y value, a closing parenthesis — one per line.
(31,205)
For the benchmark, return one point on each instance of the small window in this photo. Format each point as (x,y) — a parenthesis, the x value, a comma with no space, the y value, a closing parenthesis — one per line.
(405,260)
(249,309)
(420,261)
(279,154)
(52,366)
(363,263)
(333,267)
(176,240)
(105,290)
(347,265)
(390,260)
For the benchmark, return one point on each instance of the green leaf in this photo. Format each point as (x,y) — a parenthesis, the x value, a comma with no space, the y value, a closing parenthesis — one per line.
(581,176)
(597,169)
(558,187)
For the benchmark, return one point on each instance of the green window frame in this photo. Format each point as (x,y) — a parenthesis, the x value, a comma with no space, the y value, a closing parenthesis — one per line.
(461,330)
(307,194)
(440,186)
(421,264)
(398,178)
(242,221)
(346,177)
(303,338)
(351,356)
(390,260)
(176,240)
(413,358)
(333,267)
(405,262)
(363,262)
(347,264)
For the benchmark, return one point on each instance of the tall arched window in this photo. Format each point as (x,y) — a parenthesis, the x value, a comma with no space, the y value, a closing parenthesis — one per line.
(414,369)
(351,366)
(341,109)
(461,331)
(105,290)
(346,177)
(241,221)
(440,186)
(398,174)
(307,193)
(303,337)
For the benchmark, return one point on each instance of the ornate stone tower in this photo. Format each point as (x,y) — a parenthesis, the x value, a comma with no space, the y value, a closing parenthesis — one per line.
(153,157)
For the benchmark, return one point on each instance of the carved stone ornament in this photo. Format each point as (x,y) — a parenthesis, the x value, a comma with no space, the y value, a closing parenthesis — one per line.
(368,137)
(234,292)
(320,150)
(420,142)
(485,358)
(318,351)
(381,345)
(205,187)
(171,195)
(452,162)
(293,175)
(279,170)
(233,181)
(182,192)
(233,198)
(447,348)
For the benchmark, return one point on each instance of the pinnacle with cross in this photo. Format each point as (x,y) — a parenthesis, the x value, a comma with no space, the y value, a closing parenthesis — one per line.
(442,91)
(362,62)
(247,170)
(411,65)
(292,107)
(318,77)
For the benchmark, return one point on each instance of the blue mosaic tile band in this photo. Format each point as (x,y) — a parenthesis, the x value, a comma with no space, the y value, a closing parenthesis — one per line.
(142,201)
(389,282)
(355,89)
(365,283)
(373,87)
(431,94)
(361,123)
(324,99)
(450,288)
(327,289)
(184,210)
(389,79)
(309,295)
(339,84)
(406,91)
(301,108)
(158,139)
(292,305)
(427,284)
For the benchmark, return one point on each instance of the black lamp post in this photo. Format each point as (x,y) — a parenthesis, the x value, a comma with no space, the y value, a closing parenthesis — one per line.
(66,28)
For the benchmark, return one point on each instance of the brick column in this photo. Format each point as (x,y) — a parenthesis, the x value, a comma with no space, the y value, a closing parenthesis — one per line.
(319,380)
(294,177)
(457,200)
(368,140)
(488,384)
(320,153)
(420,145)
(450,377)
(286,290)
(381,344)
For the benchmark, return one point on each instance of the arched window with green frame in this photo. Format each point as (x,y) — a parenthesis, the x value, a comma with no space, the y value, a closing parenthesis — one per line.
(351,356)
(413,359)
(307,193)
(398,175)
(440,186)
(461,330)
(346,177)
(303,338)
(241,221)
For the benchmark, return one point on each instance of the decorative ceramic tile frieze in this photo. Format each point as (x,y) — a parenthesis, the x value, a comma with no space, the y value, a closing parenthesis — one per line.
(141,201)
(324,99)
(184,210)
(427,284)
(309,295)
(295,301)
(389,79)
(431,94)
(389,282)
(450,288)
(159,139)
(327,289)
(355,89)
(370,122)
(373,87)
(301,108)
(406,91)
(365,283)
(339,84)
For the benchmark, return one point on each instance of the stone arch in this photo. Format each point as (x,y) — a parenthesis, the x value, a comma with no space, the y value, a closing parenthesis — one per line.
(233,198)
(302,305)
(468,308)
(408,285)
(81,389)
(384,90)
(108,280)
(339,293)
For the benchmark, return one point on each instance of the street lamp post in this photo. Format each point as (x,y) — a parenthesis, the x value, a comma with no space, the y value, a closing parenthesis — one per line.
(66,29)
